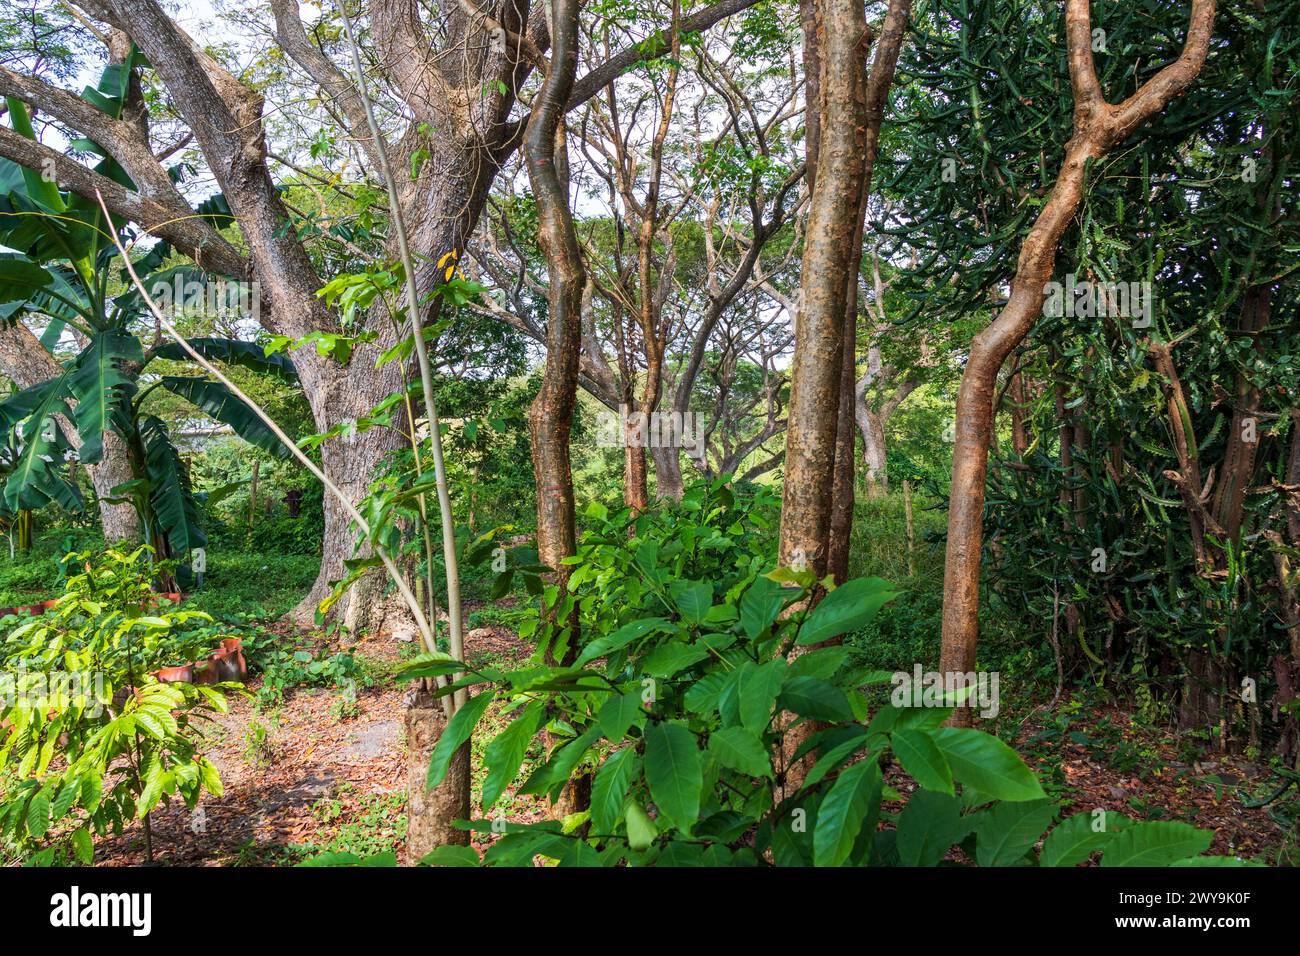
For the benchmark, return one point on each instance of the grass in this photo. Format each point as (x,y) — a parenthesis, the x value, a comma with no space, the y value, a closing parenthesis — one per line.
(239,586)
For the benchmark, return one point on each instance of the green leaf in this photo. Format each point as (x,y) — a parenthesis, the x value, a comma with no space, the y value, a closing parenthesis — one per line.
(555,773)
(1006,831)
(226,407)
(450,854)
(849,607)
(982,761)
(83,849)
(102,390)
(641,830)
(928,826)
(751,693)
(618,714)
(917,752)
(1074,839)
(38,814)
(692,598)
(249,355)
(170,493)
(761,605)
(841,815)
(609,789)
(1157,843)
(672,770)
(741,750)
(505,753)
(625,635)
(455,734)
(815,699)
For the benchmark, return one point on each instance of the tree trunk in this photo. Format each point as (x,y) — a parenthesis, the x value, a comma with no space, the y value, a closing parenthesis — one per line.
(841,37)
(1098,128)
(430,813)
(872,427)
(669,484)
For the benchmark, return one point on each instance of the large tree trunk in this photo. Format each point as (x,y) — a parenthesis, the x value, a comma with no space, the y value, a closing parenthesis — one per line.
(1098,128)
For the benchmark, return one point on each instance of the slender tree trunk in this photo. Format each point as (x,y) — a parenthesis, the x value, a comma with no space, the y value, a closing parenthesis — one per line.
(550,418)
(841,39)
(1098,128)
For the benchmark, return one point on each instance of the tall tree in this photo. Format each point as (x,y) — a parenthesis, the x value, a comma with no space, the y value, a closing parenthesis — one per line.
(1099,127)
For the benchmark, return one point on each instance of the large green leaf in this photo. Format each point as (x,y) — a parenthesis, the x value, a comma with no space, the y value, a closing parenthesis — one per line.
(920,757)
(750,693)
(1156,843)
(454,735)
(1075,839)
(1006,831)
(842,814)
(103,390)
(21,279)
(169,488)
(505,753)
(37,476)
(982,761)
(741,750)
(672,770)
(223,405)
(247,354)
(609,789)
(928,826)
(850,606)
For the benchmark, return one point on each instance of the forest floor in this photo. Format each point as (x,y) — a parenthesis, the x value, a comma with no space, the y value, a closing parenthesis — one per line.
(304,778)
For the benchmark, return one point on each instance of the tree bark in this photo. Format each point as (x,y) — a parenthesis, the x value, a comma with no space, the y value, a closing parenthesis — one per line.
(1098,128)
(840,38)
(430,813)
(550,417)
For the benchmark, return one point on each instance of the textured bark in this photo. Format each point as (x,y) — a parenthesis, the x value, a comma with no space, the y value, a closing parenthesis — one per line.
(841,39)
(431,813)
(874,94)
(1098,128)
(550,417)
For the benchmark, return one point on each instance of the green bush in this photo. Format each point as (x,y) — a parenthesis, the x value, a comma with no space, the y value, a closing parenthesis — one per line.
(93,741)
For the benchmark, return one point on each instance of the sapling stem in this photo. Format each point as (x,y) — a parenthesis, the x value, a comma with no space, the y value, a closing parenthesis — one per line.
(456,638)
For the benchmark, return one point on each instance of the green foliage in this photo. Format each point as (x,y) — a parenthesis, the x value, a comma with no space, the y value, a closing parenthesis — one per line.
(682,670)
(93,739)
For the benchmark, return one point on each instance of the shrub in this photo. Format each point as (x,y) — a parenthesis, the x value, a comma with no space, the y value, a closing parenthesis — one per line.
(93,740)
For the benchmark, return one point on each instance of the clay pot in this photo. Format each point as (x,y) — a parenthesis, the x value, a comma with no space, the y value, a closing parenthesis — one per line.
(236,665)
(206,672)
(176,675)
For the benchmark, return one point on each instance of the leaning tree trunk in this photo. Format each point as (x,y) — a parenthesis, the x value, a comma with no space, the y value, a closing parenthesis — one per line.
(1098,128)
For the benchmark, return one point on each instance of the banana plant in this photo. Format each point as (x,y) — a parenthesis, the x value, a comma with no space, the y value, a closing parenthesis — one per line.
(61,271)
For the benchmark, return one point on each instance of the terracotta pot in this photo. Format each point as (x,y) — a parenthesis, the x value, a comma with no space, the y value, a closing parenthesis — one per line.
(206,672)
(183,674)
